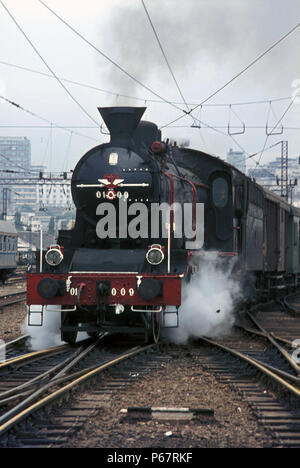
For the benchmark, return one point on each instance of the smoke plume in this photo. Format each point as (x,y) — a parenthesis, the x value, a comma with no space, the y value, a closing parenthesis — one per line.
(209,302)
(205,42)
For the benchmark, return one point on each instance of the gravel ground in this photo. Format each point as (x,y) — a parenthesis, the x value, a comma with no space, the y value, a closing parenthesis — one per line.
(12,318)
(181,382)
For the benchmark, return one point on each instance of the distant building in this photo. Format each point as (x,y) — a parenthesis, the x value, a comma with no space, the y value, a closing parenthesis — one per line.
(24,195)
(26,188)
(15,153)
(270,176)
(237,159)
(15,156)
(55,195)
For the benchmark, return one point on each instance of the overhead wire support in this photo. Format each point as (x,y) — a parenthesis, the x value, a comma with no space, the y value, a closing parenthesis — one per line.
(46,64)
(164,55)
(280,132)
(238,132)
(249,65)
(284,192)
(253,62)
(145,100)
(278,122)
(52,124)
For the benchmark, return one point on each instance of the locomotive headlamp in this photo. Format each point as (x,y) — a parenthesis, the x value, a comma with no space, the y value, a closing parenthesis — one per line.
(54,256)
(155,254)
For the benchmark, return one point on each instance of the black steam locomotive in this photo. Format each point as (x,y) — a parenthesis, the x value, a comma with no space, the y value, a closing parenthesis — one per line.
(123,265)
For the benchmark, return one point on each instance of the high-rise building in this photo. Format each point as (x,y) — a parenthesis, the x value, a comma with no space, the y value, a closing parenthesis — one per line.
(15,152)
(237,159)
(15,156)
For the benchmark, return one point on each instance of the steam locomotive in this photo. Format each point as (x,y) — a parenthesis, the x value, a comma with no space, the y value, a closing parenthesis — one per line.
(123,265)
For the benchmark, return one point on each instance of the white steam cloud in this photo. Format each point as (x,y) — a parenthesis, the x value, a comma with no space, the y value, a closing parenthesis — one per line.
(208,302)
(47,335)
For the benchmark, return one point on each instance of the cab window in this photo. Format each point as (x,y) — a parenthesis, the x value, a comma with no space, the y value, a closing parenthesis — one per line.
(220,192)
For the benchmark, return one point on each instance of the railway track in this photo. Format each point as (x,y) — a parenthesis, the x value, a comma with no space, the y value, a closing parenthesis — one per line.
(257,360)
(25,391)
(16,280)
(18,277)
(12,348)
(10,299)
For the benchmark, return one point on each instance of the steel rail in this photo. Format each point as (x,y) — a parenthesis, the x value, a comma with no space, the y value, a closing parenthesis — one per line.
(268,335)
(256,364)
(14,417)
(18,392)
(14,301)
(280,372)
(29,357)
(16,341)
(5,296)
(263,335)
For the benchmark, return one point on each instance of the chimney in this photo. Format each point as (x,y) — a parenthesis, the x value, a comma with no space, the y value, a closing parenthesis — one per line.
(121,123)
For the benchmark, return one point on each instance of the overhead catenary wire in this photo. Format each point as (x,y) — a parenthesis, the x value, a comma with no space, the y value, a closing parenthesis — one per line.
(168,63)
(249,65)
(278,122)
(269,134)
(296,95)
(12,163)
(46,64)
(253,62)
(113,62)
(52,124)
(143,99)
(69,127)
(189,112)
(164,54)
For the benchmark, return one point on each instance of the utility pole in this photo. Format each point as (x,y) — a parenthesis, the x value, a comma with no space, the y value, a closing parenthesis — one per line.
(284,170)
(4,202)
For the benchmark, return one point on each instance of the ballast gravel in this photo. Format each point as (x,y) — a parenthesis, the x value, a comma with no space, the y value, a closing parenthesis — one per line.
(179,382)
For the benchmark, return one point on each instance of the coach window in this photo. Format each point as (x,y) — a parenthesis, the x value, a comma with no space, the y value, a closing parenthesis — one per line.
(220,192)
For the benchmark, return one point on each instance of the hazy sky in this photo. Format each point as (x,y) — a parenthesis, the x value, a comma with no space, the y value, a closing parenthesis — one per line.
(206,42)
